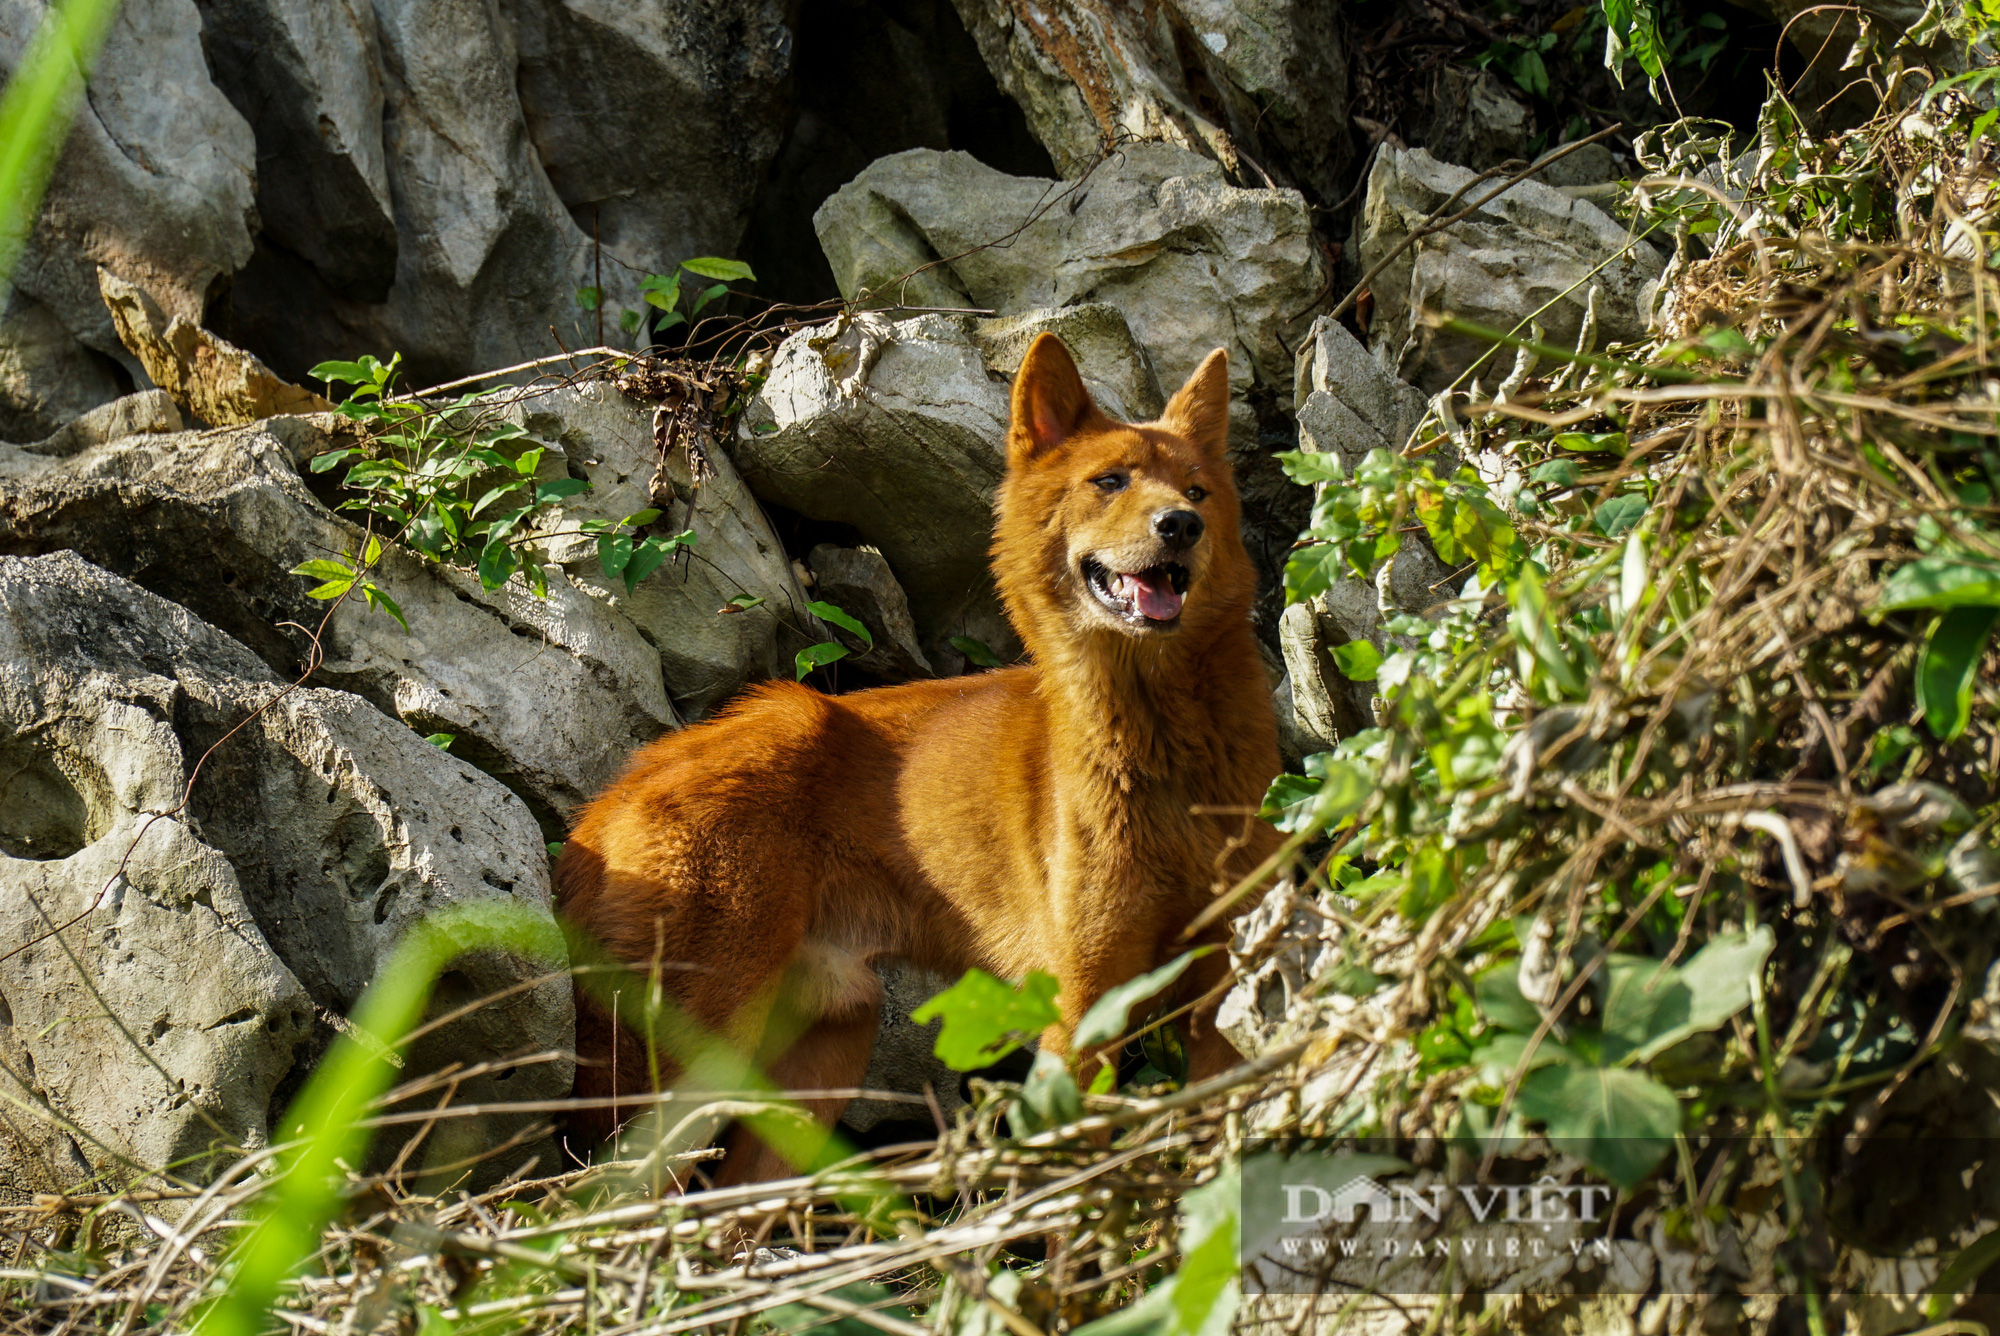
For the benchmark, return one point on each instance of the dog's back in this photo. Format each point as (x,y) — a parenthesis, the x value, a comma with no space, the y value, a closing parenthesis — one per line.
(1029,818)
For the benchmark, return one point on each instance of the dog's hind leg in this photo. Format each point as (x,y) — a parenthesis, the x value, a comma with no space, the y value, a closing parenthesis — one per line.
(831,1055)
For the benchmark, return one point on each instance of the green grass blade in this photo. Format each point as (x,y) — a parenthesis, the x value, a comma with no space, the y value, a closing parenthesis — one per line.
(35,112)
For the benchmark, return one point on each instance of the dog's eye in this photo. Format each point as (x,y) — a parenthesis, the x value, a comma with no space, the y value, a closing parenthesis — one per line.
(1109,482)
(1196,494)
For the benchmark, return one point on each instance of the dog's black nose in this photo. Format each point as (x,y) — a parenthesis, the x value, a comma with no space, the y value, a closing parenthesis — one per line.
(1179,527)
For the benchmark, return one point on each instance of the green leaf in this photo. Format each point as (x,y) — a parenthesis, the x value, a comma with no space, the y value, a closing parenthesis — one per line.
(1312,570)
(496,563)
(1498,992)
(639,518)
(1308,468)
(648,555)
(975,651)
(614,553)
(1557,473)
(1499,1059)
(1619,1121)
(558,489)
(708,295)
(323,569)
(668,321)
(1591,442)
(838,616)
(1941,582)
(984,1019)
(497,493)
(1331,790)
(590,298)
(1718,983)
(1358,660)
(1206,1286)
(441,741)
(1620,514)
(1971,1262)
(729,271)
(322,462)
(1049,1097)
(331,589)
(1288,803)
(661,290)
(379,599)
(1947,666)
(1644,999)
(1536,636)
(529,461)
(352,373)
(628,320)
(742,603)
(818,656)
(1109,1015)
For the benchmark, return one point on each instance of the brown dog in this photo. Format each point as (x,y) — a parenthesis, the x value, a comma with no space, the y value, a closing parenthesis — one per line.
(1030,818)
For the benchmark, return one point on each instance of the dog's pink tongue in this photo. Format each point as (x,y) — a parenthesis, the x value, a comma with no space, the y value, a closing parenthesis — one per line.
(1155,594)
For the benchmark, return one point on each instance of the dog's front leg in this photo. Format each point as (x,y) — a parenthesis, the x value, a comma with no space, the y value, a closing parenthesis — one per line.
(1097,963)
(1209,1053)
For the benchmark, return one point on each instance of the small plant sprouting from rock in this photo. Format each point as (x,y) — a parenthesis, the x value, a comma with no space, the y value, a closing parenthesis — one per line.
(663,291)
(830,651)
(437,480)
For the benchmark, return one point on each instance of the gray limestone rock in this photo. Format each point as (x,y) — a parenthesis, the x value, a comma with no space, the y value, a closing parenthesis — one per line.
(708,649)
(1346,403)
(904,1061)
(1532,254)
(1115,366)
(1192,262)
(141,414)
(1260,85)
(858,581)
(156,177)
(898,429)
(178,967)
(548,694)
(443,175)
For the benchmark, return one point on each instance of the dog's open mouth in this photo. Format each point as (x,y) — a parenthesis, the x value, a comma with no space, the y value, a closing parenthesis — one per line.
(1151,597)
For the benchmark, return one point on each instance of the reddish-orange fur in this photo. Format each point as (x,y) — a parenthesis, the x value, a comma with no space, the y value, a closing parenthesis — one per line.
(1030,818)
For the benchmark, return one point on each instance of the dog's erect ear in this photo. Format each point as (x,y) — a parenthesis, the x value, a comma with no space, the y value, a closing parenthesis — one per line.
(1199,411)
(1050,402)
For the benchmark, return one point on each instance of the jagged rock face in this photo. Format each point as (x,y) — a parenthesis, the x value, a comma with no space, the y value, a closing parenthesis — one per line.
(858,581)
(320,178)
(478,152)
(550,695)
(214,931)
(1192,262)
(898,429)
(707,648)
(47,378)
(1531,255)
(215,380)
(156,180)
(1347,405)
(1260,85)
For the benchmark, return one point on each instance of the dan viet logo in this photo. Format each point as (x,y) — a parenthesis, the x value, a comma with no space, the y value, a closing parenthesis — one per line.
(1315,1218)
(1544,1202)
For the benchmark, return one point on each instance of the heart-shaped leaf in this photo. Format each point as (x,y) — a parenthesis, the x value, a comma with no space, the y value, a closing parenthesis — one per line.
(984,1019)
(1619,1121)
